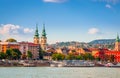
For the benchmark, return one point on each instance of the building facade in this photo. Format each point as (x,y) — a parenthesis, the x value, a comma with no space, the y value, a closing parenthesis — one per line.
(110,54)
(28,46)
(7,45)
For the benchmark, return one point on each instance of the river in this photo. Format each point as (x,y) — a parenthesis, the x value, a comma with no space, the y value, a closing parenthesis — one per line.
(60,72)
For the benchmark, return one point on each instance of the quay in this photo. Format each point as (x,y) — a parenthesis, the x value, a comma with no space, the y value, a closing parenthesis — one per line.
(50,63)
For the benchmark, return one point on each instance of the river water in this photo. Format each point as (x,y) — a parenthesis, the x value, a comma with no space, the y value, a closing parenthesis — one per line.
(60,72)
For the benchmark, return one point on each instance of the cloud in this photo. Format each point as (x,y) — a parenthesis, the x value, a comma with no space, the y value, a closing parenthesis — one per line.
(9,29)
(109,1)
(93,31)
(55,1)
(108,6)
(27,30)
(15,31)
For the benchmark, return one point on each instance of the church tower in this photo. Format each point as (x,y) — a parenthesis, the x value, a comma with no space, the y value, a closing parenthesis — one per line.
(36,36)
(117,43)
(43,39)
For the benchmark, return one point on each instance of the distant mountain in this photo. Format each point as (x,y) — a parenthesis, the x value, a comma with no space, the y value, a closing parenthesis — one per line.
(102,41)
(70,43)
(109,42)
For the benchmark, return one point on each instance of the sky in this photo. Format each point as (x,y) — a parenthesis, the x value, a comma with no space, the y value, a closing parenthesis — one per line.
(65,20)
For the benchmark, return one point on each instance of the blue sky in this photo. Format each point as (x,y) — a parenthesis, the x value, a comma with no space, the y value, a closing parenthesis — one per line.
(65,20)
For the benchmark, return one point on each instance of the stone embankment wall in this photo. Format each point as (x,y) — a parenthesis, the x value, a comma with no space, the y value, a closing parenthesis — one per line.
(23,63)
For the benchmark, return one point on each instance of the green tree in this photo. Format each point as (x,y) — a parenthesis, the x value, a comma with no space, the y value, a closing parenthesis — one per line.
(54,57)
(58,56)
(2,55)
(13,54)
(97,58)
(70,56)
(79,57)
(11,40)
(9,53)
(29,54)
(41,53)
(17,53)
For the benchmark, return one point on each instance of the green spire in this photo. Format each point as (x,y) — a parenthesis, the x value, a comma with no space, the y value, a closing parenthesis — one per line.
(117,39)
(43,31)
(36,32)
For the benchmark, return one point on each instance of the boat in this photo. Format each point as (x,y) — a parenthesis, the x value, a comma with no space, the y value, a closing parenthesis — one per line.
(112,65)
(56,64)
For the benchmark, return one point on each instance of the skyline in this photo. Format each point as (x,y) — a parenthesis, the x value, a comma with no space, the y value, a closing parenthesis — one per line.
(65,20)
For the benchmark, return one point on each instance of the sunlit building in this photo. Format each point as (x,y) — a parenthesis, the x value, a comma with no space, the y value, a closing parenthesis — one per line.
(42,41)
(7,45)
(32,47)
(115,54)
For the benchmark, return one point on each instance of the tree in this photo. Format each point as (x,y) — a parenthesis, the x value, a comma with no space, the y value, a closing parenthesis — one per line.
(17,53)
(54,57)
(97,58)
(79,57)
(2,55)
(41,53)
(11,40)
(88,56)
(13,54)
(70,56)
(29,54)
(58,56)
(9,53)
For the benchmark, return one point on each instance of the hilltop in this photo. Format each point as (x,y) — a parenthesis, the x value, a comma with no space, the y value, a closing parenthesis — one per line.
(109,43)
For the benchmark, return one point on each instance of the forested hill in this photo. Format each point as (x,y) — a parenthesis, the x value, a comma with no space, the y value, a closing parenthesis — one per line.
(83,44)
(103,41)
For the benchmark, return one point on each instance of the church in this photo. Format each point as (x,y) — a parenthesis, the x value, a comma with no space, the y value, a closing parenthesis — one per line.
(42,41)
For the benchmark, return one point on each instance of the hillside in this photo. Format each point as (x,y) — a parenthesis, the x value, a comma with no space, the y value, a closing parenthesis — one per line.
(109,43)
(102,41)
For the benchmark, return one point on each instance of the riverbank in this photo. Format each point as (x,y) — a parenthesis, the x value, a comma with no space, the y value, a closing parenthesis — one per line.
(48,63)
(24,63)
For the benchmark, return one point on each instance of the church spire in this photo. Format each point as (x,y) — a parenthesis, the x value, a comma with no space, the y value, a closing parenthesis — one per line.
(117,39)
(43,39)
(36,32)
(43,31)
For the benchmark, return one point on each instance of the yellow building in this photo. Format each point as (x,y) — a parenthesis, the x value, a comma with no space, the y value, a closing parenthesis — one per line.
(6,45)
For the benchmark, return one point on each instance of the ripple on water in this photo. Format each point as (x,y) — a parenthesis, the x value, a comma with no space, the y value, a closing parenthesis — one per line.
(63,72)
